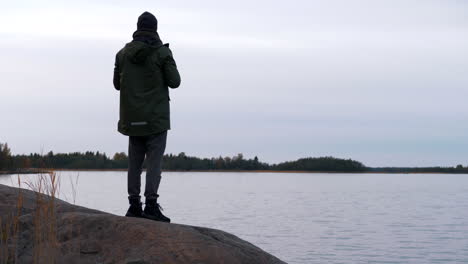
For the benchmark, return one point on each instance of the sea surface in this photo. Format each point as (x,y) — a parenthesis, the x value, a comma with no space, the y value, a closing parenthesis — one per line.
(302,217)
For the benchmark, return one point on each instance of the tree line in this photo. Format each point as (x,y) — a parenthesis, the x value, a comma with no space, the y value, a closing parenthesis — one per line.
(183,162)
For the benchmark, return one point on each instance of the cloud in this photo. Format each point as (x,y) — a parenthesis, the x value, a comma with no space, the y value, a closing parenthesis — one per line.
(376,81)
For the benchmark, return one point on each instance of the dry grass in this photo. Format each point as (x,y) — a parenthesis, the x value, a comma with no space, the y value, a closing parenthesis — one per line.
(44,218)
(9,230)
(44,221)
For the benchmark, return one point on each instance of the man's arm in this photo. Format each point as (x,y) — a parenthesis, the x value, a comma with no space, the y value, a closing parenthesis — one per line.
(171,74)
(116,74)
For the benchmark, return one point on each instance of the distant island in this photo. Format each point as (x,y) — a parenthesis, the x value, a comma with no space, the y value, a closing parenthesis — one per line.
(90,160)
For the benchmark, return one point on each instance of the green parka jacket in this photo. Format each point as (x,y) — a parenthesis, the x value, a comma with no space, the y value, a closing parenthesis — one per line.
(143,72)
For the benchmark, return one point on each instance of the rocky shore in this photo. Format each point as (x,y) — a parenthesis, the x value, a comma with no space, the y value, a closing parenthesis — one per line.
(36,228)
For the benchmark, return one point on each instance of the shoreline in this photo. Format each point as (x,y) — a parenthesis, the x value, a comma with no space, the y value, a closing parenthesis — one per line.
(39,171)
(26,171)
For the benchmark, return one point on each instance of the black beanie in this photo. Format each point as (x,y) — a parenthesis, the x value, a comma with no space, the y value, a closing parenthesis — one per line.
(147,22)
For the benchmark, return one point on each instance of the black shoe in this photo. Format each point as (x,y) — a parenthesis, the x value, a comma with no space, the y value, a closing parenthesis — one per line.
(135,208)
(153,212)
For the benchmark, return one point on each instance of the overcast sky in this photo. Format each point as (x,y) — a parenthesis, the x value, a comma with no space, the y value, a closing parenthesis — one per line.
(382,82)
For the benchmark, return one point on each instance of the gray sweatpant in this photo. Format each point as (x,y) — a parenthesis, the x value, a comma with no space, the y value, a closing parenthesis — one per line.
(153,146)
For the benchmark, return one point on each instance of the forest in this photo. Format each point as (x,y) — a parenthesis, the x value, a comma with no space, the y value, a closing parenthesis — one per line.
(182,162)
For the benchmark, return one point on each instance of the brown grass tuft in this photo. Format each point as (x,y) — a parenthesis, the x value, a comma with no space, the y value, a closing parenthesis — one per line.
(44,217)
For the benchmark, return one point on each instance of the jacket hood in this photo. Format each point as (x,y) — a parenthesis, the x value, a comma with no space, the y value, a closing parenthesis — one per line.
(143,44)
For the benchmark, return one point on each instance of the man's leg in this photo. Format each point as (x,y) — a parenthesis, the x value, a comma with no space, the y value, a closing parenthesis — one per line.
(156,145)
(136,155)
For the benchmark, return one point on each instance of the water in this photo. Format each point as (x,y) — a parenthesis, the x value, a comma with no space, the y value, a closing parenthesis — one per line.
(308,218)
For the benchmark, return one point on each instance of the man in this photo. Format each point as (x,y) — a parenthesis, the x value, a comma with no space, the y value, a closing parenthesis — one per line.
(144,69)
